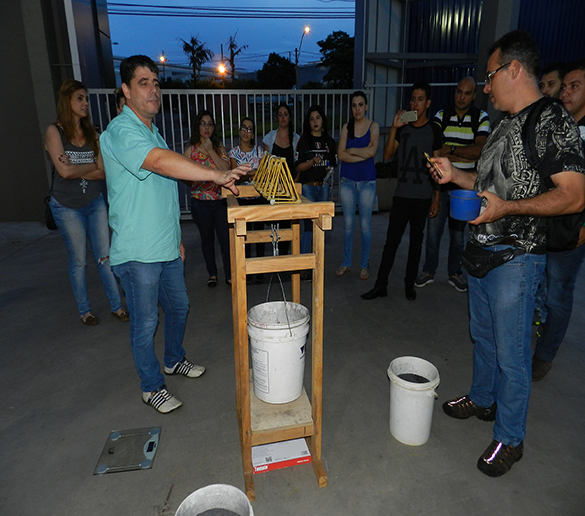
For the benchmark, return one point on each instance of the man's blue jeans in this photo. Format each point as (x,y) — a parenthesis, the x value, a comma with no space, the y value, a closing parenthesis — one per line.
(435,227)
(501,306)
(145,285)
(362,193)
(562,269)
(314,194)
(76,227)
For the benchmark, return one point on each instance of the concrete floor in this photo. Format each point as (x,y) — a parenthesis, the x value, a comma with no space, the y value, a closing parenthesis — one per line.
(66,386)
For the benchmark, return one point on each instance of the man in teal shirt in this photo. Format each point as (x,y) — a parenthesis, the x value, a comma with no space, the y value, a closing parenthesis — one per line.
(147,253)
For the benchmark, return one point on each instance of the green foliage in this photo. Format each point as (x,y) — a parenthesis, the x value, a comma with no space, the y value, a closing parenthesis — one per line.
(197,53)
(277,73)
(234,49)
(312,85)
(168,83)
(337,51)
(243,84)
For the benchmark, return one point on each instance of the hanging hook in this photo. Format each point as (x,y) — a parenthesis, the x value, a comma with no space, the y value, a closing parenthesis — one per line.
(275,238)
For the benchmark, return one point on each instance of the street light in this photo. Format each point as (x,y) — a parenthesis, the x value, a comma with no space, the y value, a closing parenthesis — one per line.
(222,69)
(306,30)
(163,60)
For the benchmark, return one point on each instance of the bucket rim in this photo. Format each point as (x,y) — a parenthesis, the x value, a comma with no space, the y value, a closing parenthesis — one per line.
(411,386)
(300,310)
(188,502)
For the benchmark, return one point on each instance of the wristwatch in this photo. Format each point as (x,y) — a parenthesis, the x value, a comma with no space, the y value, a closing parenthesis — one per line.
(452,149)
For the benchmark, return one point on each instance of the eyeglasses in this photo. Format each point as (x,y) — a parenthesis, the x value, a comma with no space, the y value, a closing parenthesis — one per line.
(488,76)
(247,129)
(206,124)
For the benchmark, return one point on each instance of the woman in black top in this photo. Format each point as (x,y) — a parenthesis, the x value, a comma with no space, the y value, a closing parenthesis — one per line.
(77,203)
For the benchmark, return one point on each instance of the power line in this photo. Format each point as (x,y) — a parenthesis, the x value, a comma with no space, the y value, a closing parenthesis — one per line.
(316,13)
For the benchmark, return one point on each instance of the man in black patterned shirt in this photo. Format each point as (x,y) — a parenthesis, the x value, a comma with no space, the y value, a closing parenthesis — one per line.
(501,303)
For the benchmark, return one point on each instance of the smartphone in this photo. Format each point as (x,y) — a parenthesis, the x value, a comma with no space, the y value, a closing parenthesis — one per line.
(433,165)
(409,116)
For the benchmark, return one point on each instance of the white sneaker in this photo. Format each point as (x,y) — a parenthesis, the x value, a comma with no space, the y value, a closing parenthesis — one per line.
(162,400)
(186,368)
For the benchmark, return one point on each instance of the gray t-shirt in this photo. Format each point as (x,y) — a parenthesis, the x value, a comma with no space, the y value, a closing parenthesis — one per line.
(414,180)
(79,192)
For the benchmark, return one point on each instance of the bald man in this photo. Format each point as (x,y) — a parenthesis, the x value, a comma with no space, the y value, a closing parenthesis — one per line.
(465,129)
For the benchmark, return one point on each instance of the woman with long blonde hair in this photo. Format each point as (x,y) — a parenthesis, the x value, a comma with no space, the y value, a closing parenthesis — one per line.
(77,202)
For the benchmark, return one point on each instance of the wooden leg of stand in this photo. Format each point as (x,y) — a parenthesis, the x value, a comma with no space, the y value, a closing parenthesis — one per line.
(317,355)
(240,308)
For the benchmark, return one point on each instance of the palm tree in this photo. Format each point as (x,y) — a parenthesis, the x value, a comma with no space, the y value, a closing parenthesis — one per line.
(234,51)
(197,53)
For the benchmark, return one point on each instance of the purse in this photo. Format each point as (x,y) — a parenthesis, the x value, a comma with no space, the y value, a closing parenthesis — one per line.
(478,261)
(49,219)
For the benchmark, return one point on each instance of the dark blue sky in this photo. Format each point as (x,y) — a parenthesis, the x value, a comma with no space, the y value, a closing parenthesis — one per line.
(151,35)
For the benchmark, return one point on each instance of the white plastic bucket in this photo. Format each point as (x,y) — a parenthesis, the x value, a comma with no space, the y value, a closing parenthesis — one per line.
(277,344)
(216,498)
(411,402)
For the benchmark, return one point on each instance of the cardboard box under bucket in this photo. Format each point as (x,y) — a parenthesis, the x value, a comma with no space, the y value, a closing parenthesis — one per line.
(268,457)
(412,396)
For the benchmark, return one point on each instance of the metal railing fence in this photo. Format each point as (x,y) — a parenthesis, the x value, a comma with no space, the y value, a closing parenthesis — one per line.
(229,107)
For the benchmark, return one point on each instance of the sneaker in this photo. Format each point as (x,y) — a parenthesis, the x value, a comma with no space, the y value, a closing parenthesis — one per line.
(457,281)
(499,458)
(162,400)
(423,279)
(463,408)
(186,368)
(540,368)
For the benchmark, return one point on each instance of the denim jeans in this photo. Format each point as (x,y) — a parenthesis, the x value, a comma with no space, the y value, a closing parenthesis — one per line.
(562,269)
(314,194)
(76,227)
(404,211)
(501,306)
(145,285)
(435,227)
(211,217)
(362,193)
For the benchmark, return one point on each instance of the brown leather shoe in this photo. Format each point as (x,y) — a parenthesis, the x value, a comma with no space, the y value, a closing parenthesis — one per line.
(89,319)
(122,316)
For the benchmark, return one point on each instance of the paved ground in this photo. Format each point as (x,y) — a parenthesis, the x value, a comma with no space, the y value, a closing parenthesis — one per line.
(66,386)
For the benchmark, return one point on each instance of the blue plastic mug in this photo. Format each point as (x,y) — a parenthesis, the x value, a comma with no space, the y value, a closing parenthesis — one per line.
(465,204)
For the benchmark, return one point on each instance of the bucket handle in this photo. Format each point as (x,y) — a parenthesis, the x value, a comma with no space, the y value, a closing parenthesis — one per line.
(433,394)
(283,297)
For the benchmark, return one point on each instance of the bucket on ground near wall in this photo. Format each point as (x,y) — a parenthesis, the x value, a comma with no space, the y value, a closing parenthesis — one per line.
(278,339)
(465,204)
(220,499)
(412,395)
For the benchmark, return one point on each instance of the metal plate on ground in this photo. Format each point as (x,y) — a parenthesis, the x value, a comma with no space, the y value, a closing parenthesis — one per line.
(128,450)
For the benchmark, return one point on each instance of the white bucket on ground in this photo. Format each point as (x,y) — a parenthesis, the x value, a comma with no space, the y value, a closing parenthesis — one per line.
(220,499)
(277,344)
(412,395)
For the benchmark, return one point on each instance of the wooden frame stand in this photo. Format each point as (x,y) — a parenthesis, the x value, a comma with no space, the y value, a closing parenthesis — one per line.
(259,422)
